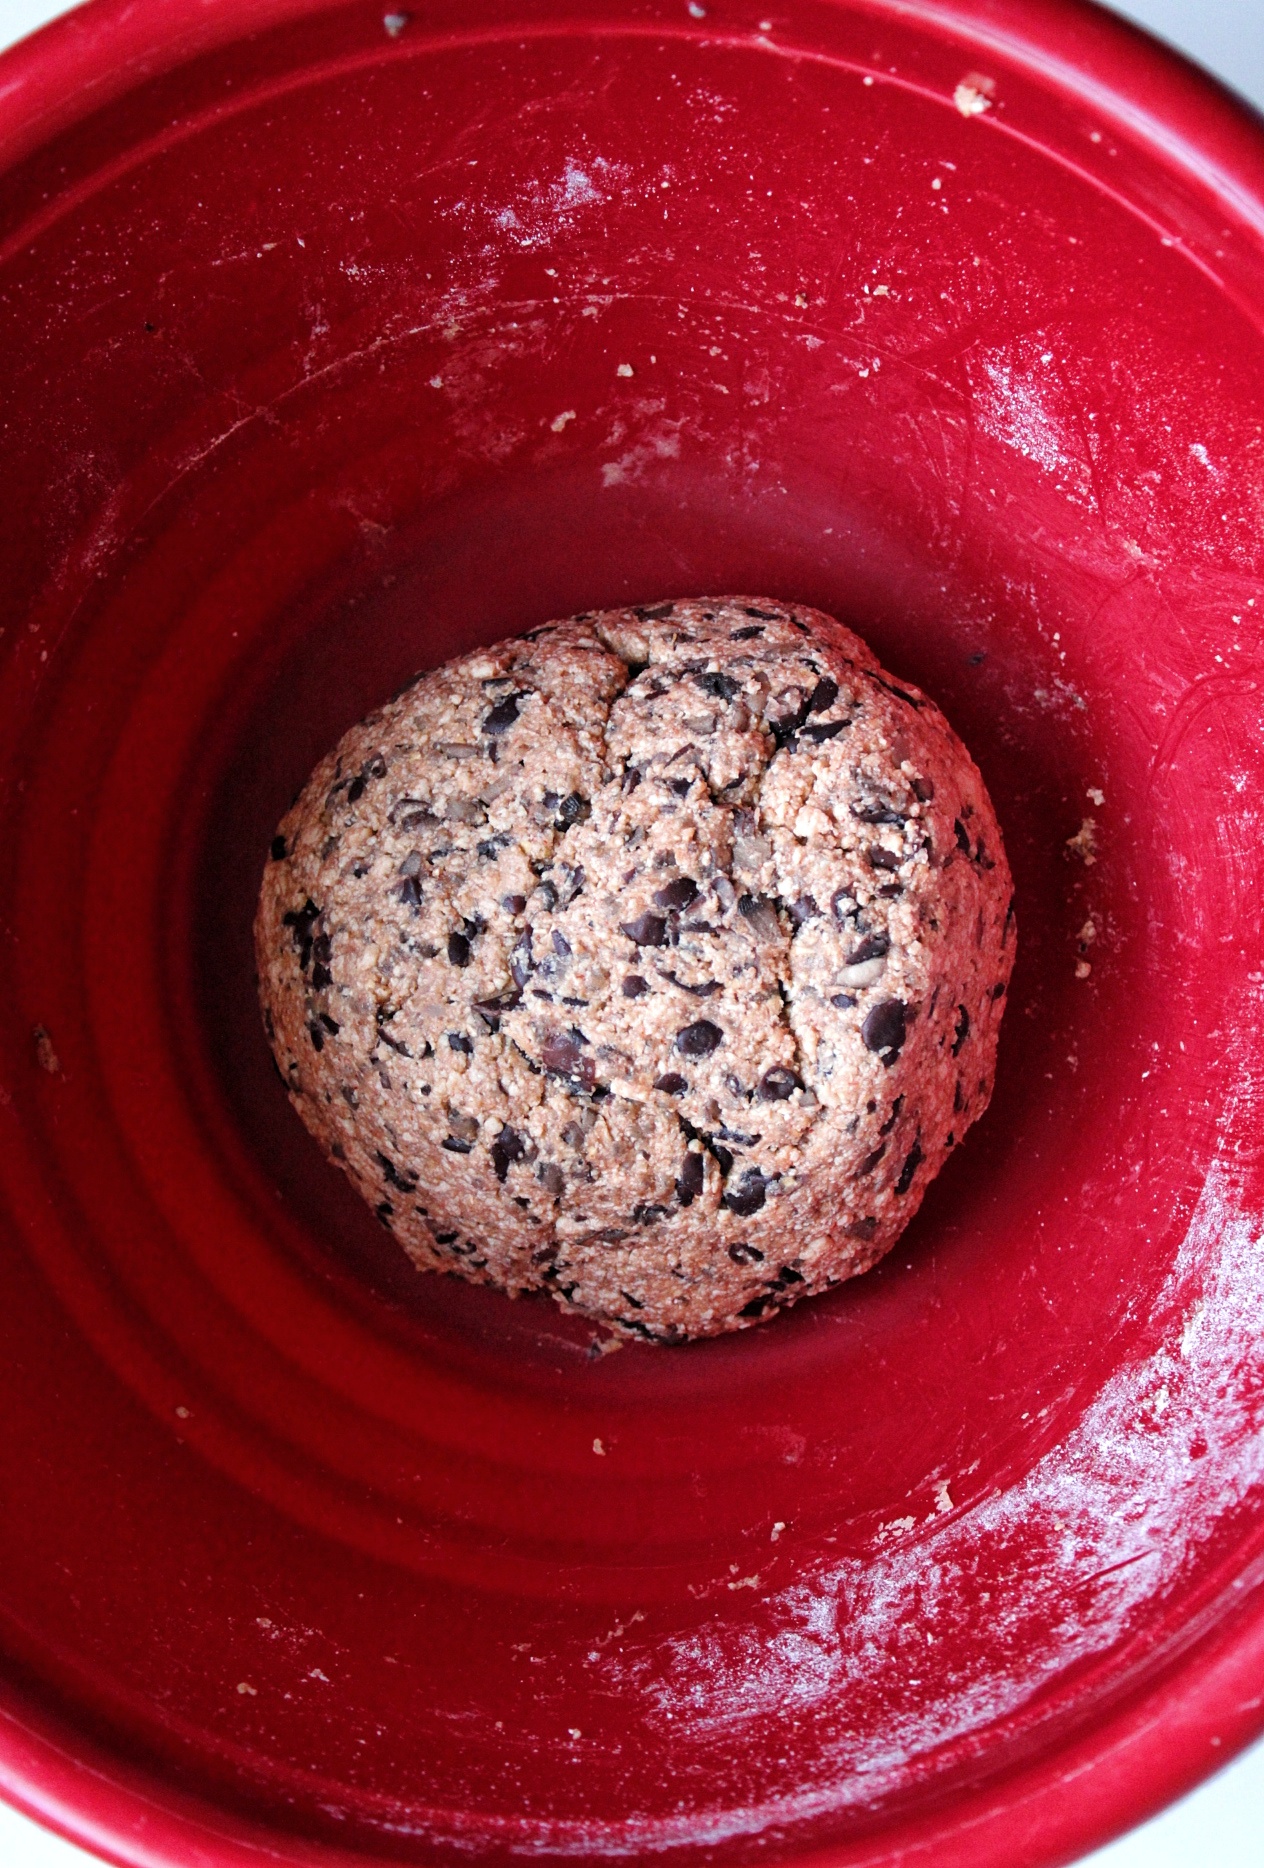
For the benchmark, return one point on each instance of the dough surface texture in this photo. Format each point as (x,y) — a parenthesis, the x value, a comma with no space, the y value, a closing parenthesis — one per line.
(655,959)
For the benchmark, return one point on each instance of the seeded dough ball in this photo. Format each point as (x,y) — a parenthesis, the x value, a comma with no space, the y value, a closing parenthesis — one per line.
(654,959)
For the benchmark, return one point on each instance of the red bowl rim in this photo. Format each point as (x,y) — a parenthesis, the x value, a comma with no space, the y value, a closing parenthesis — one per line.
(1208,1705)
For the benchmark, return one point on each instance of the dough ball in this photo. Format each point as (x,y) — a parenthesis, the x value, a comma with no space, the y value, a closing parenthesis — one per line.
(654,959)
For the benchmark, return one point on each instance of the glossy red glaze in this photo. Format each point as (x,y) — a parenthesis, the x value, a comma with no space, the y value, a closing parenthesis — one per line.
(311,338)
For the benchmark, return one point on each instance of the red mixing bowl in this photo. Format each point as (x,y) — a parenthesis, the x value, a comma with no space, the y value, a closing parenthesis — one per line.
(332,344)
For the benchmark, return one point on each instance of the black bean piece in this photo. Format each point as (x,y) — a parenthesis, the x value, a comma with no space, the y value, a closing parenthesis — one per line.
(656,615)
(561,945)
(998,991)
(707,989)
(743,1254)
(648,930)
(671,1084)
(551,1178)
(960,832)
(572,810)
(760,912)
(502,715)
(277,849)
(331,1024)
(744,635)
(912,1161)
(355,790)
(962,1029)
(788,1275)
(843,1000)
(805,909)
(829,729)
(507,1148)
(520,961)
(747,1198)
(872,947)
(547,895)
(316,1035)
(680,786)
(645,1213)
(870,1162)
(768,616)
(409,892)
(891,891)
(513,904)
(677,894)
(878,858)
(501,1002)
(723,1155)
(894,1116)
(844,906)
(690,1179)
(877,814)
(923,789)
(634,987)
(777,1084)
(321,977)
(718,686)
(699,1039)
(561,1053)
(885,1029)
(458,950)
(823,695)
(457,1041)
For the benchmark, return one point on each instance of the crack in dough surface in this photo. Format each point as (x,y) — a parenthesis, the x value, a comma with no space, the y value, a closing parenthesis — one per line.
(655,958)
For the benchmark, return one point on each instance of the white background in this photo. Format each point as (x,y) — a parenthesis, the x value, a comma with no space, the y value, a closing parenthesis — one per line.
(1222,1824)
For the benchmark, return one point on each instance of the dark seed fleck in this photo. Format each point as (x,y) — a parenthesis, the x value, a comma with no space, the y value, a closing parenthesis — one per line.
(502,715)
(870,1162)
(513,904)
(829,729)
(963,1029)
(823,695)
(885,1029)
(278,849)
(551,1178)
(648,930)
(699,1039)
(689,1180)
(777,1084)
(862,1228)
(458,950)
(960,832)
(331,1025)
(316,1035)
(767,616)
(878,858)
(634,987)
(355,791)
(321,977)
(680,786)
(647,1214)
(677,894)
(457,1147)
(723,1156)
(743,1254)
(744,635)
(843,1000)
(912,1161)
(843,905)
(803,910)
(923,789)
(561,945)
(457,1041)
(671,1084)
(409,893)
(998,991)
(894,1116)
